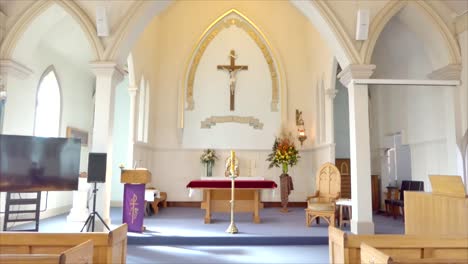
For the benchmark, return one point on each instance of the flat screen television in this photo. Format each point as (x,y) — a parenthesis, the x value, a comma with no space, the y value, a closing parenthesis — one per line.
(38,164)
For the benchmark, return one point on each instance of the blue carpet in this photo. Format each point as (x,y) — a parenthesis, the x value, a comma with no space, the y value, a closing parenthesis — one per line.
(227,241)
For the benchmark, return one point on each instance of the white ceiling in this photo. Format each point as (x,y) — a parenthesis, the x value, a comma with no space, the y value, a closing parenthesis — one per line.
(57,31)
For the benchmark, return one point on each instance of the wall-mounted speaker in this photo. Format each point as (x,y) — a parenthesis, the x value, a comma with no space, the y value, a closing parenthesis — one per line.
(97,167)
(102,27)
(362,26)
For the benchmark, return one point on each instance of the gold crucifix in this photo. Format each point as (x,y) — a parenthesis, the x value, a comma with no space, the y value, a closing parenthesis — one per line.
(232,70)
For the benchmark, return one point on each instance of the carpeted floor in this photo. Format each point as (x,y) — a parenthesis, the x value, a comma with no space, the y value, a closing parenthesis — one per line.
(178,235)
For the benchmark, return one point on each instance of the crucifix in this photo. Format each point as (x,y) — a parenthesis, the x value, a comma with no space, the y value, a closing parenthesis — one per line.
(232,70)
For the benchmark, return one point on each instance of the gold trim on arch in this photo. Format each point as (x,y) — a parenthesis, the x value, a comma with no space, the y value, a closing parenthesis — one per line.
(211,32)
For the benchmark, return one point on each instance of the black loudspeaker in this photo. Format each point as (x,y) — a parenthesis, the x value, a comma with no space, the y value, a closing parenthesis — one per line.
(97,167)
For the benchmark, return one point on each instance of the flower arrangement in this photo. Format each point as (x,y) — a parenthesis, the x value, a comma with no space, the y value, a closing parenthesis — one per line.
(283,154)
(208,156)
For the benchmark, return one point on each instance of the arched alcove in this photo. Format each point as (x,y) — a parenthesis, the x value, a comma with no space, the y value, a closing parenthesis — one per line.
(420,18)
(234,18)
(411,46)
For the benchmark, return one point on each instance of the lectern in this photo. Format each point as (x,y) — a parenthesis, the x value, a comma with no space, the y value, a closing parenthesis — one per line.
(134,197)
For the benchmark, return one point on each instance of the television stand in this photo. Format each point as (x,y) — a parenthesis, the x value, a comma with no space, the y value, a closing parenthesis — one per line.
(10,201)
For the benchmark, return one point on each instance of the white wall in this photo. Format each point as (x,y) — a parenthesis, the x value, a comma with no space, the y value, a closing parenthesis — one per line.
(76,90)
(422,114)
(341,122)
(161,55)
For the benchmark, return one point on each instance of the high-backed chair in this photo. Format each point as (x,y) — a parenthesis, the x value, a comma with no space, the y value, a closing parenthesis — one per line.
(328,188)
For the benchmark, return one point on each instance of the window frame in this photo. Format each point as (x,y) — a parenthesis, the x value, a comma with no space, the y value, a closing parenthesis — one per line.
(50,68)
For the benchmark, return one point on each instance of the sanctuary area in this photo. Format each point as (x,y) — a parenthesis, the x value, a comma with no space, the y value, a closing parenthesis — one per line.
(254,131)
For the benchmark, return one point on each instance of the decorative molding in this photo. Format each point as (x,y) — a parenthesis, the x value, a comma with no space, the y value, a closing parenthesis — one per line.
(213,120)
(338,30)
(132,90)
(407,82)
(378,24)
(331,93)
(355,71)
(461,23)
(449,72)
(108,68)
(232,18)
(14,68)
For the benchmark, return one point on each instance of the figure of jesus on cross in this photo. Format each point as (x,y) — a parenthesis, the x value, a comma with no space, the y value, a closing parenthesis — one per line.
(232,70)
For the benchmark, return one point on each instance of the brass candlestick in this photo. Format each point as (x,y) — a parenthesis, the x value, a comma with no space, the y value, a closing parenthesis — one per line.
(232,229)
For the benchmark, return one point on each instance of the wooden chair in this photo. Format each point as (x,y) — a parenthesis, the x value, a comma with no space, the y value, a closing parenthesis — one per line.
(322,203)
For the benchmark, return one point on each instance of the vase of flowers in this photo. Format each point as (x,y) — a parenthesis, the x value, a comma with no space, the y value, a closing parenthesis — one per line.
(284,155)
(208,158)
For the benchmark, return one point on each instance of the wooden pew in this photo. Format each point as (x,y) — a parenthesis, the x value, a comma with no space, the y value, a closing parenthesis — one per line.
(345,248)
(109,247)
(80,254)
(371,255)
(440,214)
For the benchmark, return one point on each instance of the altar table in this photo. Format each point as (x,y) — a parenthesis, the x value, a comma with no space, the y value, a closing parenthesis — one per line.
(217,196)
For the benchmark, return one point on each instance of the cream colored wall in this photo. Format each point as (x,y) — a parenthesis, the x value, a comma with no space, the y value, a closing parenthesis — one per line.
(163,51)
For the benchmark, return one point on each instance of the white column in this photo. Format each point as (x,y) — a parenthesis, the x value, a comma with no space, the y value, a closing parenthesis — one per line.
(330,119)
(462,91)
(361,222)
(108,76)
(132,90)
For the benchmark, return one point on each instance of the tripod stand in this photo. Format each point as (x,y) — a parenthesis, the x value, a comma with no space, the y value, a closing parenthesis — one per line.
(93,214)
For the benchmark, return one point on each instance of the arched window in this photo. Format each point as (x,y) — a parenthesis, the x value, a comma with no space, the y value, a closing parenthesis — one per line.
(48,105)
(141,110)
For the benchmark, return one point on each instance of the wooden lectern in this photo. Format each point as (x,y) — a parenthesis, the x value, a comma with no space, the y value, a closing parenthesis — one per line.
(134,197)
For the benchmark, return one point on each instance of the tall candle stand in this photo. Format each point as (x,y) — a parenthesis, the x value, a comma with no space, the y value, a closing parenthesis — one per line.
(232,229)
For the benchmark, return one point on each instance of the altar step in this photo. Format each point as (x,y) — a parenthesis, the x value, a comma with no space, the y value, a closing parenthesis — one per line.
(226,240)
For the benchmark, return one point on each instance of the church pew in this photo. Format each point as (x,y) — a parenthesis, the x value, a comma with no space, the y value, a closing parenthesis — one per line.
(371,255)
(345,248)
(80,254)
(109,247)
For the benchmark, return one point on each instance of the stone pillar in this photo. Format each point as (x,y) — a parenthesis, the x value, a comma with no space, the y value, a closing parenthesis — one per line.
(361,222)
(108,76)
(132,90)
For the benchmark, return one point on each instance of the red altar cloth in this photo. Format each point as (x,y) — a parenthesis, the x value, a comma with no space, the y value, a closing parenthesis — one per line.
(241,184)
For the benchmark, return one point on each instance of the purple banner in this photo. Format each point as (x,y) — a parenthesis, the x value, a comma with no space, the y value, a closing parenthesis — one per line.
(134,206)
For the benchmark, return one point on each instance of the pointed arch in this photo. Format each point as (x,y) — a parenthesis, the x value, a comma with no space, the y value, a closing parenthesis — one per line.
(390,10)
(37,9)
(48,109)
(235,18)
(327,23)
